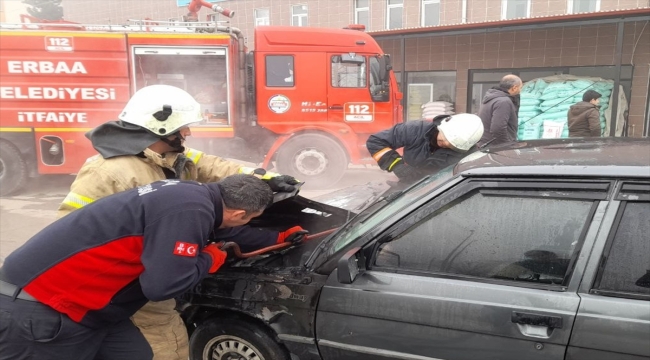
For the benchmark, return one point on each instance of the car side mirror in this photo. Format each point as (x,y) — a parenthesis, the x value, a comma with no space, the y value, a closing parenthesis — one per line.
(350,265)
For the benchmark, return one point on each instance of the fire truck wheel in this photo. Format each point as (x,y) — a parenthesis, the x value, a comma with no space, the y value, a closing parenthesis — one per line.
(316,159)
(13,169)
(239,339)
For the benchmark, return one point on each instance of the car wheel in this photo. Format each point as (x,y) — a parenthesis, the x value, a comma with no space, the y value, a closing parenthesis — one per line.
(13,169)
(233,340)
(316,159)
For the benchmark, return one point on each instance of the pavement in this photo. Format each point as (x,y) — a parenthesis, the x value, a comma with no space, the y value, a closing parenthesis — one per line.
(25,214)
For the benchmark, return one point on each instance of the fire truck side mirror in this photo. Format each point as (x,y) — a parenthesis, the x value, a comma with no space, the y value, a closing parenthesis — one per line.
(385,66)
(379,92)
(389,64)
(382,68)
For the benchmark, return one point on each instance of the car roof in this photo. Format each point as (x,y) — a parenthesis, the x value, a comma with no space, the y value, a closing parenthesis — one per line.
(621,157)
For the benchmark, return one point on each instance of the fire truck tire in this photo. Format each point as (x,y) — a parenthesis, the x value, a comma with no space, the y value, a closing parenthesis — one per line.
(316,159)
(13,169)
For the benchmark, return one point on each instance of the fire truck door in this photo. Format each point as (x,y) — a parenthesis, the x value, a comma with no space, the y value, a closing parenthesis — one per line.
(349,99)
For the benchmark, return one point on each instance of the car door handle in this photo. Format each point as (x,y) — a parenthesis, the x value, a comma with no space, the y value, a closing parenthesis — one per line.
(336,107)
(552,322)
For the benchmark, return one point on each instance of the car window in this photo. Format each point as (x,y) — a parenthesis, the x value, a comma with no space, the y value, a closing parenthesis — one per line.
(364,223)
(531,239)
(627,265)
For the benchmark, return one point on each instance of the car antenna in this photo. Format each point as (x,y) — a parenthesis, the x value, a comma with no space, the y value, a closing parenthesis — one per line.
(480,148)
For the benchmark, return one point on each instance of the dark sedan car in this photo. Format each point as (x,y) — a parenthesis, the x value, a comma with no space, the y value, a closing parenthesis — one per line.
(538,250)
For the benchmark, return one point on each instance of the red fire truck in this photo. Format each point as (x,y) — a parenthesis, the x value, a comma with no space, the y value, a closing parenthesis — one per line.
(304,101)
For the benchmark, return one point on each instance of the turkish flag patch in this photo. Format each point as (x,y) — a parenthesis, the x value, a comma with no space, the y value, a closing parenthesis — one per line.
(185,249)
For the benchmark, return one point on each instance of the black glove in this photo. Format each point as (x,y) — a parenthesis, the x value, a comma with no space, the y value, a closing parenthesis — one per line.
(405,172)
(282,183)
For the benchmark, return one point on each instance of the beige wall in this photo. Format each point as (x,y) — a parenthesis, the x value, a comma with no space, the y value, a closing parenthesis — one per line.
(325,13)
(11,10)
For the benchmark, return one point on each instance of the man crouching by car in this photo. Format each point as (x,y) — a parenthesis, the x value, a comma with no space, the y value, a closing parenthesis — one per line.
(79,280)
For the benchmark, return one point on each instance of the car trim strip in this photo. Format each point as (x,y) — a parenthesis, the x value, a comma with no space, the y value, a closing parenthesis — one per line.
(374,351)
(296,338)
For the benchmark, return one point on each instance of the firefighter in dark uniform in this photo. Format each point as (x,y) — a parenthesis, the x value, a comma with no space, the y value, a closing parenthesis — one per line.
(69,291)
(429,146)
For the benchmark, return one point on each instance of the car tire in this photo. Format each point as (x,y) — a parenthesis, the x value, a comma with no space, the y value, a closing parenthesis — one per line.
(13,169)
(224,339)
(316,159)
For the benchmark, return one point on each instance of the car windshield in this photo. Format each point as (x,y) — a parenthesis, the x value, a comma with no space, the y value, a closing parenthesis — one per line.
(378,213)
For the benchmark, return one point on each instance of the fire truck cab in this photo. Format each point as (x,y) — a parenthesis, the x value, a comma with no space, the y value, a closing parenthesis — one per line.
(303,102)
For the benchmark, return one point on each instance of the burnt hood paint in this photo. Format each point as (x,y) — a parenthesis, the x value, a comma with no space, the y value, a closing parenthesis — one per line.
(309,214)
(277,289)
(316,215)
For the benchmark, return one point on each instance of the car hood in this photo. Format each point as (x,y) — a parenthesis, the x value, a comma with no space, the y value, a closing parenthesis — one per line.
(325,212)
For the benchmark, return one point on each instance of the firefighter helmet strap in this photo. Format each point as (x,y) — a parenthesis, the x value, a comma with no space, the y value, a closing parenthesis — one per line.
(176,144)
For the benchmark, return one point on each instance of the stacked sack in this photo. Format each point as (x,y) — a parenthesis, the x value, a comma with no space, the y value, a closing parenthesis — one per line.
(529,124)
(557,98)
(435,108)
(548,106)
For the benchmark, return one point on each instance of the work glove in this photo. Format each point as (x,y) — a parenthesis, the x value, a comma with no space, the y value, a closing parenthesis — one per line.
(293,235)
(277,182)
(218,256)
(405,172)
(282,183)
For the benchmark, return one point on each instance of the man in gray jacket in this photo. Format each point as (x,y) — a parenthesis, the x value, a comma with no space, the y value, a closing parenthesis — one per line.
(499,110)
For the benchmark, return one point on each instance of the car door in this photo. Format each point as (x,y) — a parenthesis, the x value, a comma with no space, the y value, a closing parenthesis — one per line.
(613,319)
(487,270)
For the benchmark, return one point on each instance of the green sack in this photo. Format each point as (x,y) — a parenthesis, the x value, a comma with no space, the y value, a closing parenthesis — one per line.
(531,131)
(582,84)
(529,102)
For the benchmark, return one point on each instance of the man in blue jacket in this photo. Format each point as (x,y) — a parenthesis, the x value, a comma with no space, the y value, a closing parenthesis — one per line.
(69,291)
(429,146)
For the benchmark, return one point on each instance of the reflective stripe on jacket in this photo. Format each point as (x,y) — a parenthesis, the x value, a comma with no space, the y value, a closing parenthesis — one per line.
(417,152)
(101,177)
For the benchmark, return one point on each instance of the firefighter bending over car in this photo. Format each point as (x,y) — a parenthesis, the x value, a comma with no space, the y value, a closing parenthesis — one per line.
(76,283)
(143,146)
(429,146)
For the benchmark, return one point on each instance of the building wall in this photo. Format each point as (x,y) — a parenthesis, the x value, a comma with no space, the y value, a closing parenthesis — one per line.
(636,51)
(325,13)
(10,10)
(544,48)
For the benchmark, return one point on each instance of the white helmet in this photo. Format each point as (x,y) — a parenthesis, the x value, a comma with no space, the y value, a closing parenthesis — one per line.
(161,109)
(462,130)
